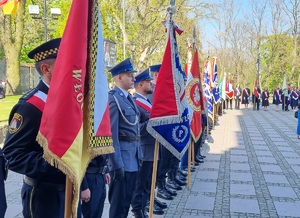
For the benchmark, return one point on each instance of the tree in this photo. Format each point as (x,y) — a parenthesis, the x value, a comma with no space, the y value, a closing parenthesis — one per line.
(11,34)
(292,9)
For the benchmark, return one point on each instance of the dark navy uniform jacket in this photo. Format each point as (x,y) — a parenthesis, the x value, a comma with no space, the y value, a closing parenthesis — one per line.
(24,154)
(127,154)
(98,162)
(3,205)
(147,140)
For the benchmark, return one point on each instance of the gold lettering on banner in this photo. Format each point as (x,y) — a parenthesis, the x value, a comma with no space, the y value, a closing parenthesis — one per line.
(77,74)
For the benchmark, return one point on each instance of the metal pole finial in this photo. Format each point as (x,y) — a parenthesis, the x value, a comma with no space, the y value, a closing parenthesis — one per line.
(171,9)
(194,38)
(172,3)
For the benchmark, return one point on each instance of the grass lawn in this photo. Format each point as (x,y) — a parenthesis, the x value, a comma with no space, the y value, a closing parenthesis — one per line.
(6,104)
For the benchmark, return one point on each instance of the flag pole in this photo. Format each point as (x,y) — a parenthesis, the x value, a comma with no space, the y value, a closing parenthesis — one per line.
(68,198)
(193,151)
(213,115)
(189,165)
(154,170)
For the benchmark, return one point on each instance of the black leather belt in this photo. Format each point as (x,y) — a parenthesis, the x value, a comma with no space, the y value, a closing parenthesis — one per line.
(129,138)
(96,170)
(45,185)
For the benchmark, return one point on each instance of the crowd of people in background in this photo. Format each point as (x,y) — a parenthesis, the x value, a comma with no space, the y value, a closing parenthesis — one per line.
(288,99)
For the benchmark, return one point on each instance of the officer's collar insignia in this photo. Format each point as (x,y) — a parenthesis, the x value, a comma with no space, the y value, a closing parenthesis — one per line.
(15,123)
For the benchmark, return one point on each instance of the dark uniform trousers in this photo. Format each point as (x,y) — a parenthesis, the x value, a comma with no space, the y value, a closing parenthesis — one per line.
(94,180)
(164,164)
(3,205)
(94,207)
(141,192)
(50,202)
(120,203)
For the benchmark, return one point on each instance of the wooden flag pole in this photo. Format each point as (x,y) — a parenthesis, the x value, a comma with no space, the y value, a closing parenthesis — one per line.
(68,198)
(213,115)
(154,170)
(193,151)
(254,102)
(189,166)
(207,123)
(284,102)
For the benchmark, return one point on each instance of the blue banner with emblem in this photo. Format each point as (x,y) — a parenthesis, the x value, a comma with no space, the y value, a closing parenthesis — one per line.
(169,120)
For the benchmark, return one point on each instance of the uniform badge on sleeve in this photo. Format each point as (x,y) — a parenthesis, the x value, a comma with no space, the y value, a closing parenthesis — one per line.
(15,123)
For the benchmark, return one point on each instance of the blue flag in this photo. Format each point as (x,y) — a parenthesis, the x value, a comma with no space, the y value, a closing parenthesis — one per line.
(215,90)
(207,92)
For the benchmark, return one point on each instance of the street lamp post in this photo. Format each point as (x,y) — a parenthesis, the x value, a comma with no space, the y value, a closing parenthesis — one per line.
(34,11)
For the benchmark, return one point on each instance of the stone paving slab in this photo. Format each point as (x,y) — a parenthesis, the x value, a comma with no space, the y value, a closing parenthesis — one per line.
(252,169)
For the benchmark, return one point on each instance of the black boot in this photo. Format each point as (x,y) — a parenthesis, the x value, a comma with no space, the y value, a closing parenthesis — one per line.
(138,213)
(157,210)
(180,182)
(171,183)
(183,173)
(171,192)
(162,192)
(161,204)
(145,213)
(181,177)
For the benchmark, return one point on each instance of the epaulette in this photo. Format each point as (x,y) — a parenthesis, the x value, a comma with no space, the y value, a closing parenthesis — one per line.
(112,92)
(28,95)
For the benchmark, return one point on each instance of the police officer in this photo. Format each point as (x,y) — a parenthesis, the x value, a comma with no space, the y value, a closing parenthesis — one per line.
(124,162)
(143,88)
(3,174)
(43,189)
(93,187)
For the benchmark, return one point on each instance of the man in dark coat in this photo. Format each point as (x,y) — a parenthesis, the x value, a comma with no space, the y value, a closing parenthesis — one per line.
(43,191)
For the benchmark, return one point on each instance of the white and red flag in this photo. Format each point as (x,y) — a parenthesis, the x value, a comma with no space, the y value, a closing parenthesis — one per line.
(255,91)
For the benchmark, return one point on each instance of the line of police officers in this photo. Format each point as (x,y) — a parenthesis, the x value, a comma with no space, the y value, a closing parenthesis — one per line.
(128,170)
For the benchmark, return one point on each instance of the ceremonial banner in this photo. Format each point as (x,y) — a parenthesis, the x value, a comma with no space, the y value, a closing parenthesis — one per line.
(169,122)
(255,91)
(220,85)
(3,2)
(189,60)
(193,95)
(215,90)
(10,7)
(284,86)
(229,90)
(70,124)
(207,92)
(224,87)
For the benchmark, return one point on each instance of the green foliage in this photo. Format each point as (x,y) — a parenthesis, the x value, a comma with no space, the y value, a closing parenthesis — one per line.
(276,61)
(7,104)
(34,28)
(2,55)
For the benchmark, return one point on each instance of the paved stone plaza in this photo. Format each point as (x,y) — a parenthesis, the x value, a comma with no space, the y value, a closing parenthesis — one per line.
(252,169)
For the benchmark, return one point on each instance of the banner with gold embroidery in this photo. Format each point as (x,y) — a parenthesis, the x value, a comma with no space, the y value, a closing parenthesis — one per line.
(75,125)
